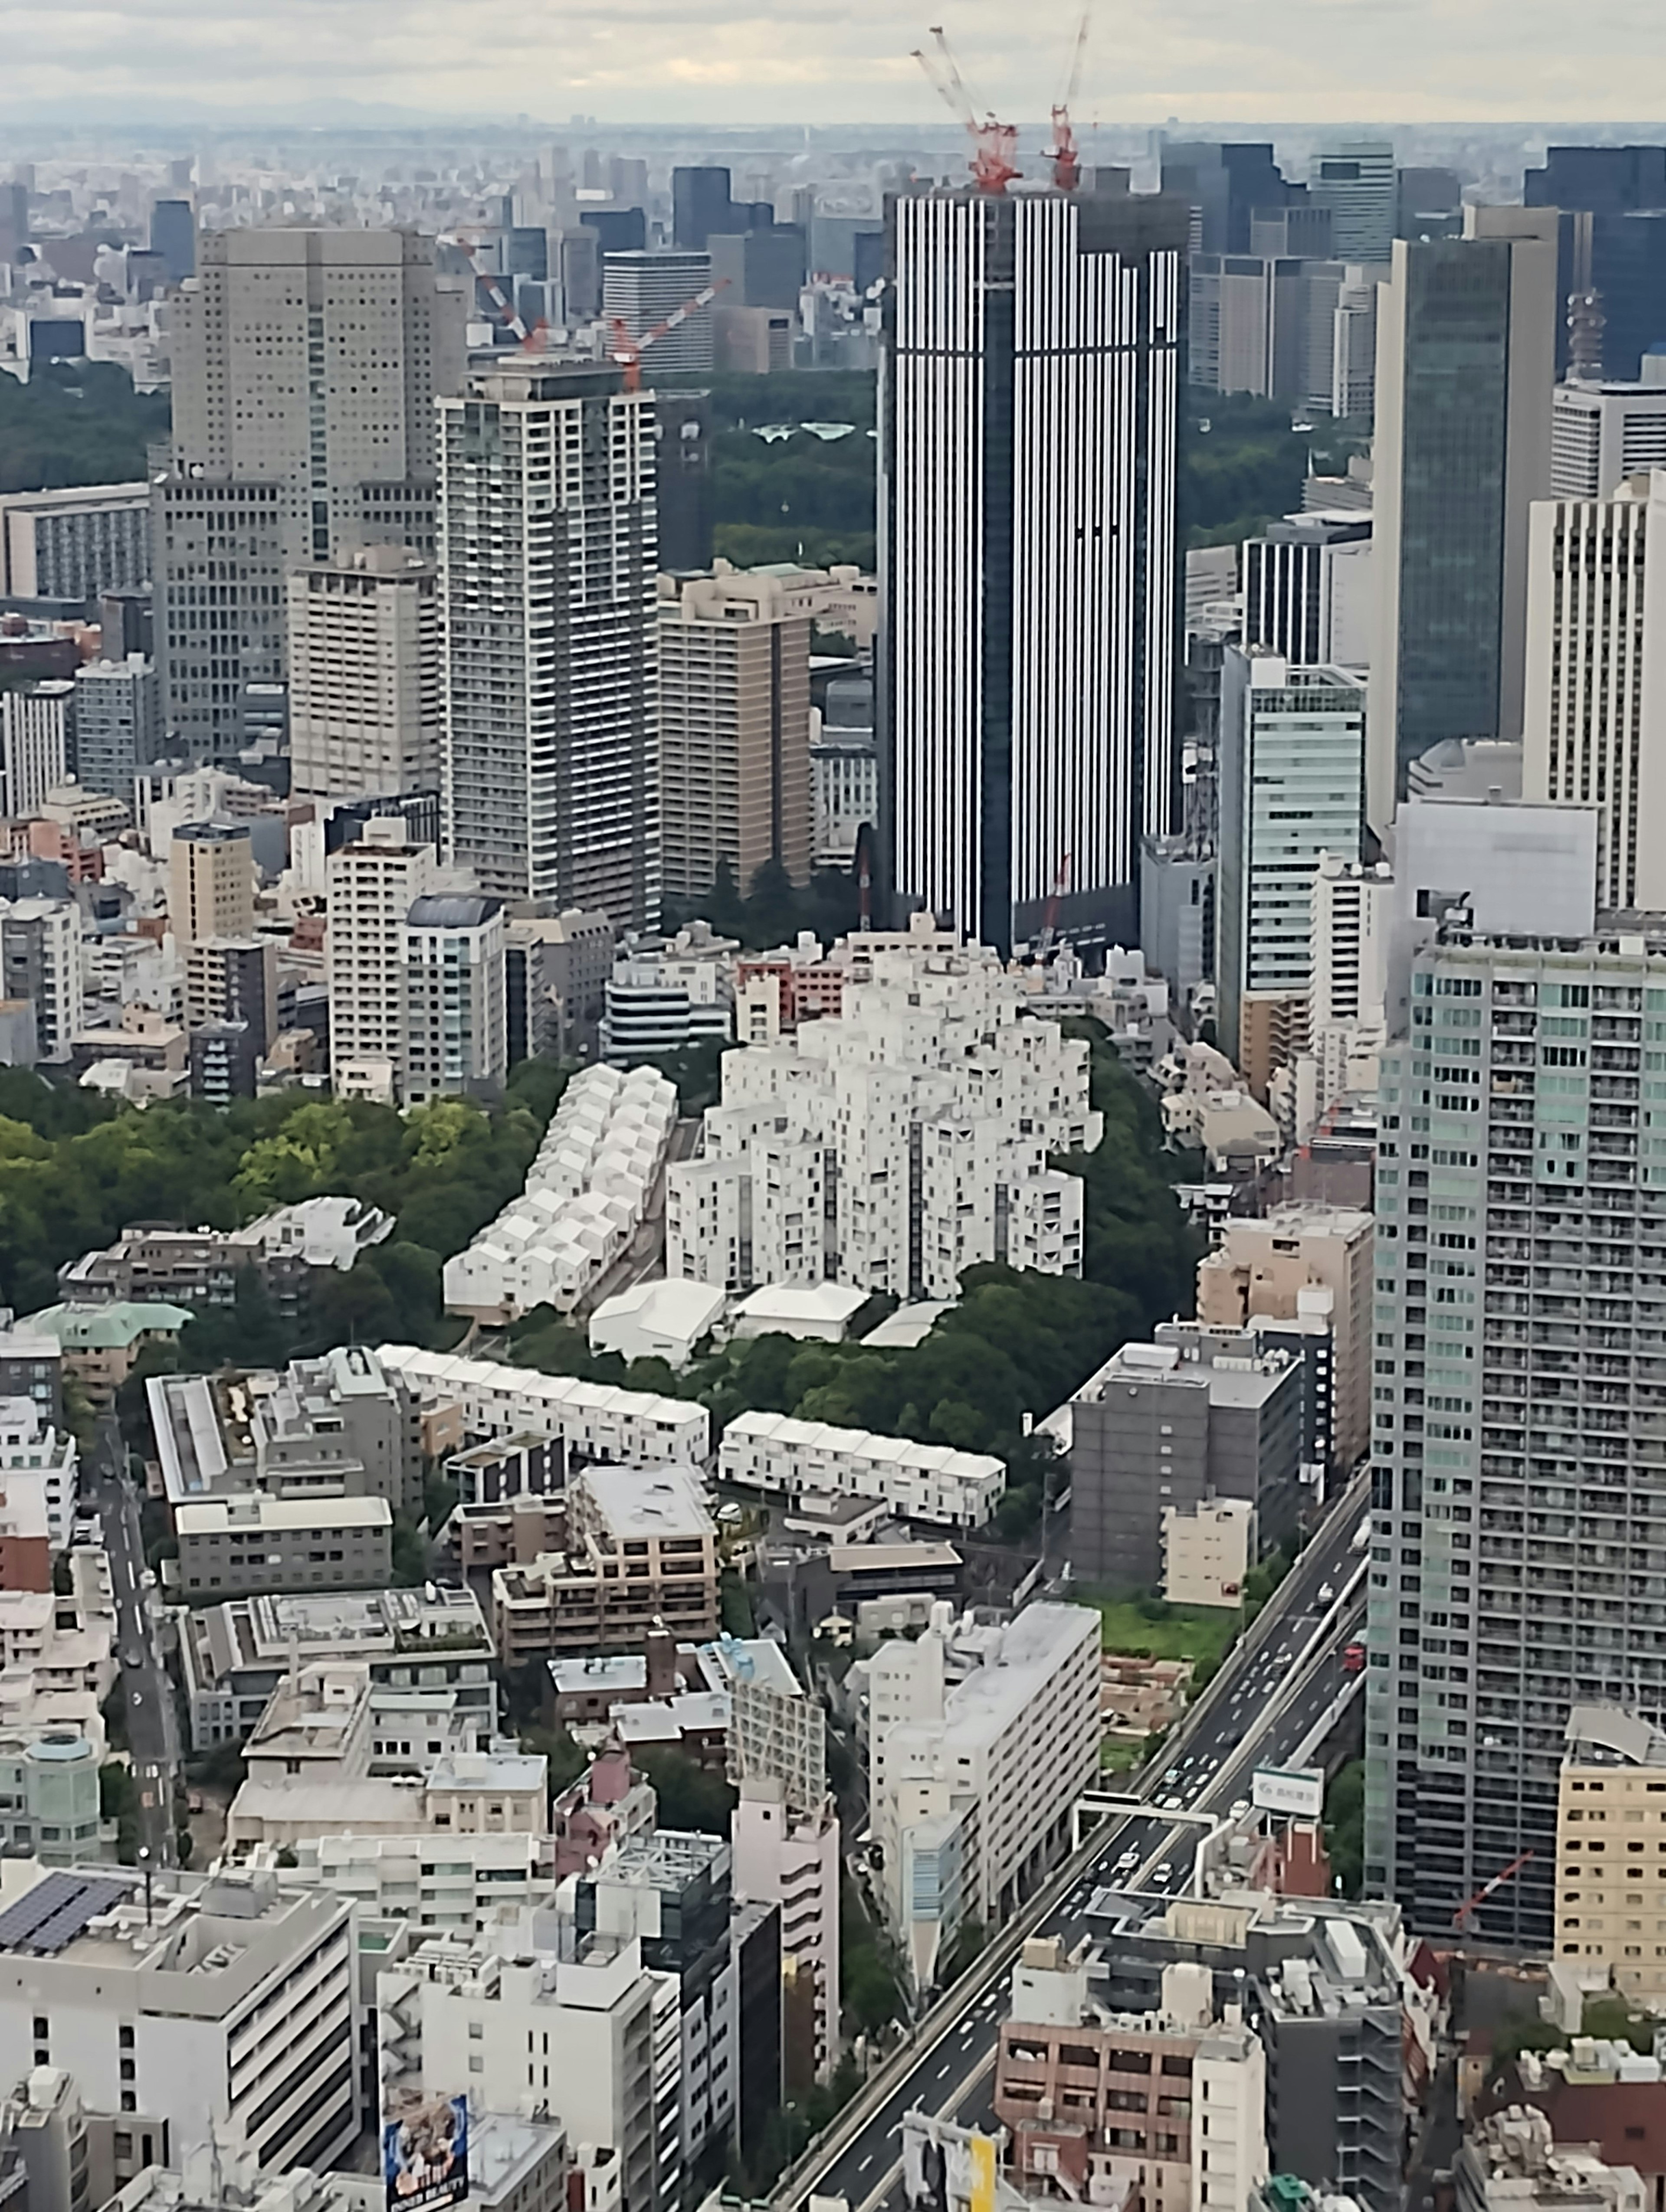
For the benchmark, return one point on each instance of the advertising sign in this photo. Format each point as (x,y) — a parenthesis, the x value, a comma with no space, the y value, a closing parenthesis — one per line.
(949,2169)
(425,2152)
(1298,1791)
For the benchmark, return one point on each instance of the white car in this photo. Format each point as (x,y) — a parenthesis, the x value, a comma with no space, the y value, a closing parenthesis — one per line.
(1326,1593)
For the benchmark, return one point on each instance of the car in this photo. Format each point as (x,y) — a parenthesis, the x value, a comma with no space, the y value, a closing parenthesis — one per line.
(1130,1858)
(1173,1804)
(1354,1657)
(1326,1593)
(1240,1806)
(148,1579)
(132,1657)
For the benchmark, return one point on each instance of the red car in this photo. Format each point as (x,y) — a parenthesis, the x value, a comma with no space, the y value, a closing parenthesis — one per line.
(1353,1658)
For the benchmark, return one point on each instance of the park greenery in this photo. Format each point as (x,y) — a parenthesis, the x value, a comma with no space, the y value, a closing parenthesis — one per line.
(76,1170)
(76,422)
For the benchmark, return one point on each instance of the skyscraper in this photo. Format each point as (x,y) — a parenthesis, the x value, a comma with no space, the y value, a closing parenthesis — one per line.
(699,205)
(1291,750)
(1357,182)
(1465,340)
(549,630)
(1601,434)
(305,365)
(1519,1506)
(1595,707)
(643,290)
(173,235)
(1611,271)
(1028,561)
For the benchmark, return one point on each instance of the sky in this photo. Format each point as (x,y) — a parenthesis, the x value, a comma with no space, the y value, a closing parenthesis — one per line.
(720,62)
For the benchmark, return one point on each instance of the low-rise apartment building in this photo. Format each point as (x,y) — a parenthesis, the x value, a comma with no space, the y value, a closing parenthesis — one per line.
(228,1545)
(596,1421)
(637,1547)
(792,1459)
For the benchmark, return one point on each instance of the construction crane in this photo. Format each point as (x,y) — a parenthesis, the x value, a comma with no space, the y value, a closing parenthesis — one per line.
(628,351)
(1066,156)
(1466,1911)
(499,298)
(994,143)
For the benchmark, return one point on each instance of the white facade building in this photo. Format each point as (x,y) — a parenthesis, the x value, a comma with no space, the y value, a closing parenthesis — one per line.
(895,1146)
(1596,696)
(457,1039)
(585,1195)
(37,743)
(40,961)
(366,688)
(1032,591)
(594,1420)
(226,2004)
(1353,911)
(971,1782)
(371,886)
(1601,432)
(785,1458)
(549,631)
(665,996)
(1309,593)
(37,1459)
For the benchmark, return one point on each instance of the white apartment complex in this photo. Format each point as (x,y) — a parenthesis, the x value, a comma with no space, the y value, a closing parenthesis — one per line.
(585,1195)
(37,743)
(40,961)
(225,2005)
(366,684)
(595,1420)
(74,543)
(971,1781)
(893,1148)
(792,1459)
(1595,695)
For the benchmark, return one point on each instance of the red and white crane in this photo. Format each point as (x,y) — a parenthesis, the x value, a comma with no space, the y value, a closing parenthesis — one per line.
(1466,1911)
(628,351)
(994,143)
(1066,156)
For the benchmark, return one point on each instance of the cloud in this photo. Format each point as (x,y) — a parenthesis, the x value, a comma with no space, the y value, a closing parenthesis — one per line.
(706,62)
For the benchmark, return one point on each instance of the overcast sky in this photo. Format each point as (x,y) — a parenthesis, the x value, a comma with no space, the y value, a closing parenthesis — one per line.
(833,61)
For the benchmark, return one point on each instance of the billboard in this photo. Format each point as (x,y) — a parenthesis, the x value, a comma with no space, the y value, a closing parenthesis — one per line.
(1297,1791)
(949,2169)
(425,2151)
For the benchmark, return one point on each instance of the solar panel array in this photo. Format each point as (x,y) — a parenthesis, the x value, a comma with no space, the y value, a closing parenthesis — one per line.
(55,1911)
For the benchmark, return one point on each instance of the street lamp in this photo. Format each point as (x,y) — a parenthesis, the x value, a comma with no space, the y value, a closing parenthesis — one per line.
(145,1862)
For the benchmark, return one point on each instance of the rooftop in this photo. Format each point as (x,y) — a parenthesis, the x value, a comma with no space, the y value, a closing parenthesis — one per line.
(107,1328)
(666,1500)
(218,1516)
(825,1303)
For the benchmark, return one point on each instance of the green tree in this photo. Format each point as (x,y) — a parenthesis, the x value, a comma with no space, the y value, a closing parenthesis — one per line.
(689,1797)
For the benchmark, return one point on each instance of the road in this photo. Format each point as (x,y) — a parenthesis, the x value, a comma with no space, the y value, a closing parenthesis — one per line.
(146,1691)
(1258,1711)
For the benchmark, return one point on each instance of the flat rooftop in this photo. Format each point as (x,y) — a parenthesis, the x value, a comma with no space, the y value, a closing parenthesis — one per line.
(214,1516)
(666,1500)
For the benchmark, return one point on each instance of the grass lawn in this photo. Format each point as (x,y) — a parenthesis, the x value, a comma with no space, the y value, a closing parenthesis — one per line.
(1199,1633)
(1119,1758)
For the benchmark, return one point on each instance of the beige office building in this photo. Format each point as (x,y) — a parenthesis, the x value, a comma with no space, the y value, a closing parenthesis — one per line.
(366,700)
(1611,1848)
(306,368)
(373,884)
(1272,1267)
(734,731)
(210,883)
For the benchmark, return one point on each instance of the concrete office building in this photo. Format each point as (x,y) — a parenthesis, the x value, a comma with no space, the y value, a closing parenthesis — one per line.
(1262,1268)
(1465,368)
(1357,182)
(40,965)
(117,723)
(683,480)
(734,732)
(549,629)
(1169,1426)
(222,2006)
(173,235)
(665,994)
(210,882)
(1309,592)
(1517,1066)
(970,1781)
(761,268)
(373,884)
(1291,788)
(1027,680)
(74,544)
(254,1543)
(1596,698)
(233,979)
(456,1027)
(700,204)
(366,690)
(642,290)
(1352,395)
(845,769)
(37,743)
(603,2028)
(1247,327)
(1602,433)
(555,972)
(1354,911)
(306,366)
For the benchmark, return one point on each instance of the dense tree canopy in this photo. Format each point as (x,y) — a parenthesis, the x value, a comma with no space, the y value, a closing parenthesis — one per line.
(76,422)
(75,1171)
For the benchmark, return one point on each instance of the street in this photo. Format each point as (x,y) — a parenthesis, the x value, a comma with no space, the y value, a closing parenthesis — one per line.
(145,1691)
(1260,1710)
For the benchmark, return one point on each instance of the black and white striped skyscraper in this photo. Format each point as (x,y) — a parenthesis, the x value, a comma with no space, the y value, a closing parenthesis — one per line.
(1028,555)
